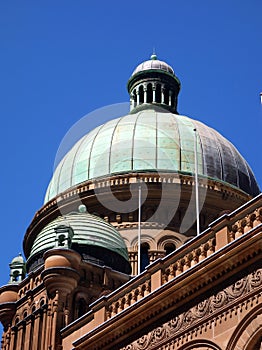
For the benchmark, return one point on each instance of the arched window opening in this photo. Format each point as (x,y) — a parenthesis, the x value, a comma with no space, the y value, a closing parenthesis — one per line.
(172,100)
(166,97)
(15,276)
(158,93)
(144,259)
(141,94)
(149,93)
(81,307)
(200,345)
(202,220)
(169,248)
(255,343)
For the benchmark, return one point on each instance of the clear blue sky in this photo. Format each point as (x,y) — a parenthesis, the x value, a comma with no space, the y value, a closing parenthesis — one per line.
(61,59)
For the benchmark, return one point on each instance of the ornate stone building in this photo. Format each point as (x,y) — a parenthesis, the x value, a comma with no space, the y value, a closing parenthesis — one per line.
(199,284)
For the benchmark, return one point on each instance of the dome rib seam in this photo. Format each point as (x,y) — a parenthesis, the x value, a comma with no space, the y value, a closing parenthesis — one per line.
(91,149)
(133,141)
(60,171)
(111,141)
(74,158)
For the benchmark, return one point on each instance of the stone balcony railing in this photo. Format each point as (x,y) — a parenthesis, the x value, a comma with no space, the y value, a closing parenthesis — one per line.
(220,234)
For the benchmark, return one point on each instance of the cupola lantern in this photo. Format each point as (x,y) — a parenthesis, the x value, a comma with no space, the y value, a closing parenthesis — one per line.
(153,82)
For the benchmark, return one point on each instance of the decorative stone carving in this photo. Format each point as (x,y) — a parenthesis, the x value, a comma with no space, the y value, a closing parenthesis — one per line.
(205,308)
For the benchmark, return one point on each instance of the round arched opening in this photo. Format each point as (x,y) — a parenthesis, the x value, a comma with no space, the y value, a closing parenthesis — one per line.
(144,258)
(169,248)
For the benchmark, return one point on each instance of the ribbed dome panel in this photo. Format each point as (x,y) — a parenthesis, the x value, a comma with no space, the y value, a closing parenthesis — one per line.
(92,236)
(150,140)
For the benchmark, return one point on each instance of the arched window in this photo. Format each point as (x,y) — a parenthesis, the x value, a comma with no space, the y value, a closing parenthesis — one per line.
(81,307)
(149,93)
(158,93)
(200,345)
(15,276)
(166,97)
(144,256)
(141,94)
(172,99)
(169,248)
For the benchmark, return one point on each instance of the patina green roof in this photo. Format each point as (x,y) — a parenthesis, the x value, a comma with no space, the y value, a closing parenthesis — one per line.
(89,231)
(152,140)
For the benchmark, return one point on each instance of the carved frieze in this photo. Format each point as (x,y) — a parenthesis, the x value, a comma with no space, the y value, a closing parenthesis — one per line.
(211,306)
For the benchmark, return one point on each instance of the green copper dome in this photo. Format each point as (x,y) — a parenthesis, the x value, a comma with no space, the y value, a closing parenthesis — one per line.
(93,237)
(152,140)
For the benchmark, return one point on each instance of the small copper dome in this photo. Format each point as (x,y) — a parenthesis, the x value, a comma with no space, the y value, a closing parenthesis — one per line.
(94,238)
(153,64)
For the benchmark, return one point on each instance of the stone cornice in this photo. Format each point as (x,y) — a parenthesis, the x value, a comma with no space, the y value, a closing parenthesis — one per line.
(71,197)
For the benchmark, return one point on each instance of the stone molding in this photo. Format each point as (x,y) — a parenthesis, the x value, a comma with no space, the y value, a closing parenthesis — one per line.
(50,210)
(213,306)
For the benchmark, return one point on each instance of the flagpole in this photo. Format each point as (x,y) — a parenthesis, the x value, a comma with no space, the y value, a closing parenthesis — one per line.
(196,182)
(139,233)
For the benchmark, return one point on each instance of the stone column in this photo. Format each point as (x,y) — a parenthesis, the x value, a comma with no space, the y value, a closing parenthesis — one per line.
(60,276)
(13,336)
(131,103)
(34,345)
(145,93)
(28,326)
(43,334)
(6,339)
(19,335)
(170,98)
(137,97)
(54,323)
(162,94)
(154,92)
(48,328)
